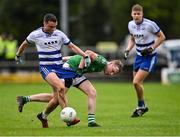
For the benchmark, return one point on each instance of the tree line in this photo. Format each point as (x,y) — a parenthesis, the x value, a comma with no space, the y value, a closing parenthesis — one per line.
(90,21)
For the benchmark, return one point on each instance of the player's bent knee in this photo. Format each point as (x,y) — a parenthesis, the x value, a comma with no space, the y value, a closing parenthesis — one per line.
(60,88)
(135,83)
(54,100)
(92,94)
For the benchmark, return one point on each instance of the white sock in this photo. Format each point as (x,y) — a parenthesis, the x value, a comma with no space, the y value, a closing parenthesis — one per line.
(44,116)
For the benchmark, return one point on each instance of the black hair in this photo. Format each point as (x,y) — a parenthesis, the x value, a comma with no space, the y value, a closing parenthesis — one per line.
(50,17)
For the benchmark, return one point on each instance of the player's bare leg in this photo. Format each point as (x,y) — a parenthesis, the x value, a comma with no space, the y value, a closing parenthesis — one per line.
(41,97)
(45,97)
(76,120)
(90,91)
(58,96)
(138,85)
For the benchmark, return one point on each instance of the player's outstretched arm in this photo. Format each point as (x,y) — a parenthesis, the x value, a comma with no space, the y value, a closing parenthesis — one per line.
(66,58)
(130,45)
(160,38)
(21,48)
(92,55)
(19,52)
(87,60)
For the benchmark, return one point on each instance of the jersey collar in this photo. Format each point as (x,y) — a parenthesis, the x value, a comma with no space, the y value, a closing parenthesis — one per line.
(47,33)
(139,22)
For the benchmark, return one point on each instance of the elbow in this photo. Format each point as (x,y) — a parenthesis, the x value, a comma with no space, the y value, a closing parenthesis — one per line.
(88,51)
(164,37)
(91,54)
(70,47)
(161,36)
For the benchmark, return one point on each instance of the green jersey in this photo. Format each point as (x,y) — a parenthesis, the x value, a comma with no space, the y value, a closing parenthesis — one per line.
(96,66)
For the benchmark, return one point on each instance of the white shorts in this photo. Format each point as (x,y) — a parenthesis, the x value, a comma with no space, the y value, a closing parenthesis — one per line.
(78,80)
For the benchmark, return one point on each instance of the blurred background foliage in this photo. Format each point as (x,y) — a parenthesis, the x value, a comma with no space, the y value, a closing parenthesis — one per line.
(89,21)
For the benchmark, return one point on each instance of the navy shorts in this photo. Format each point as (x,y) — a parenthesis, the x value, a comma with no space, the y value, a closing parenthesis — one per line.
(60,72)
(146,63)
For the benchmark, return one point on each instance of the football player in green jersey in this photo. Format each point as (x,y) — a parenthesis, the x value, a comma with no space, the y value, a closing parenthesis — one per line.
(76,63)
(98,64)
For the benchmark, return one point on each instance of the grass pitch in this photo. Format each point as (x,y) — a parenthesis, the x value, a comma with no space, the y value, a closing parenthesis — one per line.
(115,103)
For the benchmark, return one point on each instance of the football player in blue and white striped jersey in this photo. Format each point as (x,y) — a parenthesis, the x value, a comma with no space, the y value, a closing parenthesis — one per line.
(147,36)
(49,41)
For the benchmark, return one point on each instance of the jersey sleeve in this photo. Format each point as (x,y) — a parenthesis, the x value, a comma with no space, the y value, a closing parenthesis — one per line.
(31,39)
(129,28)
(101,61)
(65,39)
(155,28)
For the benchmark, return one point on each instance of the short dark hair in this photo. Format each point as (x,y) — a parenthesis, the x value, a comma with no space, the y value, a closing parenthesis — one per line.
(50,17)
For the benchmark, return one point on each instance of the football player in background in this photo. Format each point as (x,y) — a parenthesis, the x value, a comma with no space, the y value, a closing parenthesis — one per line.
(147,36)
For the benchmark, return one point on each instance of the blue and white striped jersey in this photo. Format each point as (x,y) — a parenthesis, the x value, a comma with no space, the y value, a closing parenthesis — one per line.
(48,45)
(144,33)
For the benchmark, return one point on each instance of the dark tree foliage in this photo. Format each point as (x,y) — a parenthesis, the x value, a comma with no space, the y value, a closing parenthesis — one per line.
(20,17)
(90,21)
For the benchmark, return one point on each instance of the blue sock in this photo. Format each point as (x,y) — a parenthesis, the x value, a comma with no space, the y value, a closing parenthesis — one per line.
(141,103)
